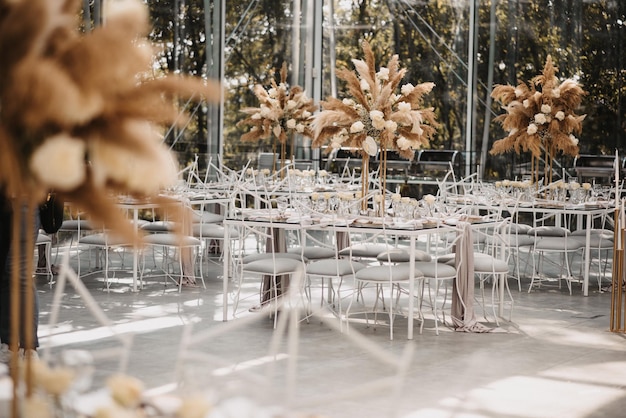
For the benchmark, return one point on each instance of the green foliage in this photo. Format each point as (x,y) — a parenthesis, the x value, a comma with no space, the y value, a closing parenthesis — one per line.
(586,40)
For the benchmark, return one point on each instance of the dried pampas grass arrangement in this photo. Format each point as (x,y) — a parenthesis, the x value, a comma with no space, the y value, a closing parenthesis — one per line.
(283,112)
(375,113)
(375,116)
(540,117)
(82,113)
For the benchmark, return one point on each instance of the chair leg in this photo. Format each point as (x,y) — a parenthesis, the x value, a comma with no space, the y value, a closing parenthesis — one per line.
(106,269)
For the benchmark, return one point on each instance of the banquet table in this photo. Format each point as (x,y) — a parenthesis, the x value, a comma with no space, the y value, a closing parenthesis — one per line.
(375,227)
(584,213)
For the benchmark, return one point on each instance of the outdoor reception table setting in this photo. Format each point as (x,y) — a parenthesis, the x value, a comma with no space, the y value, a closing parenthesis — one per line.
(574,206)
(401,220)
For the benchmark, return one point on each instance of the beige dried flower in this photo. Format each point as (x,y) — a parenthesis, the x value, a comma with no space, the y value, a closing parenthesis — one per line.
(54,381)
(539,115)
(59,86)
(36,407)
(375,112)
(125,390)
(116,411)
(196,406)
(59,162)
(282,111)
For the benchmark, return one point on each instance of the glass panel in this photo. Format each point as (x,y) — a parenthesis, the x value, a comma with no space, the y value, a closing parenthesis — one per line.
(511,41)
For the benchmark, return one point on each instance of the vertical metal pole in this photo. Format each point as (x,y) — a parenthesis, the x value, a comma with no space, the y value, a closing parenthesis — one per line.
(331,50)
(220,122)
(295,46)
(214,46)
(315,20)
(176,39)
(471,85)
(492,49)
(298,59)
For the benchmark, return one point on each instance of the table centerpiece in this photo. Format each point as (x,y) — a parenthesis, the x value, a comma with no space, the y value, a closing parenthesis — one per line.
(283,112)
(540,118)
(80,115)
(375,117)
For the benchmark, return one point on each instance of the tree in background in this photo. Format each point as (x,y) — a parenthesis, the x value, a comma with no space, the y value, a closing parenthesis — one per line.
(584,38)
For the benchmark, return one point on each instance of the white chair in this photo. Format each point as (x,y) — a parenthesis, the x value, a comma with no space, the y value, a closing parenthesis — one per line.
(601,246)
(103,243)
(314,245)
(519,245)
(601,243)
(553,240)
(177,250)
(437,273)
(76,227)
(388,276)
(328,272)
(366,246)
(274,266)
(43,244)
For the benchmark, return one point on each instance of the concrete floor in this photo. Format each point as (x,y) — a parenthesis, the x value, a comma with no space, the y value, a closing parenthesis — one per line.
(556,358)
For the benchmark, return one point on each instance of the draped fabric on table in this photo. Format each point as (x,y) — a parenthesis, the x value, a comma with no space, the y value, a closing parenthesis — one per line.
(343,240)
(463,315)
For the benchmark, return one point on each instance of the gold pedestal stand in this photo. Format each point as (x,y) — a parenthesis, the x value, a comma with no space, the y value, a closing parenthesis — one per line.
(618,297)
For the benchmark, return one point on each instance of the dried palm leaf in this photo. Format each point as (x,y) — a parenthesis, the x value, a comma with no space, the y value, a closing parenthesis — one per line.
(80,104)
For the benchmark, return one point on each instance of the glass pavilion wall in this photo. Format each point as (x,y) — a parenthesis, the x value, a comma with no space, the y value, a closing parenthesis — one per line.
(463,46)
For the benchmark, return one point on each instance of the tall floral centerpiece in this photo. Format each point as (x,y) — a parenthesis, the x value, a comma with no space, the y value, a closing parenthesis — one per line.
(540,118)
(80,114)
(376,116)
(283,112)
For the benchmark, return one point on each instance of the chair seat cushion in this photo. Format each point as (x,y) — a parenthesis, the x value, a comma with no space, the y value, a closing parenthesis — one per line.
(486,264)
(158,226)
(43,239)
(558,244)
(264,256)
(516,228)
(387,273)
(452,256)
(399,255)
(519,240)
(436,270)
(334,267)
(75,224)
(313,253)
(592,232)
(275,266)
(548,231)
(102,240)
(596,241)
(172,240)
(140,222)
(207,217)
(212,231)
(363,250)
